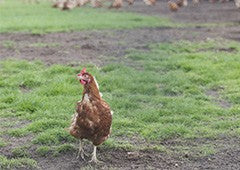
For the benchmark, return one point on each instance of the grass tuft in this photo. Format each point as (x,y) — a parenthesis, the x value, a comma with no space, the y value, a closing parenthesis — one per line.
(2,143)
(20,152)
(43,150)
(24,163)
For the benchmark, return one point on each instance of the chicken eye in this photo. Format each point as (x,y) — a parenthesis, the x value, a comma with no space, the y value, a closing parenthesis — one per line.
(85,76)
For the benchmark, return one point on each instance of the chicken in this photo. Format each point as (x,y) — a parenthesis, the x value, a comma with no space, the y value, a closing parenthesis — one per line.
(69,4)
(96,3)
(130,2)
(185,2)
(93,117)
(82,2)
(58,4)
(150,2)
(116,4)
(181,3)
(173,6)
(237,3)
(195,1)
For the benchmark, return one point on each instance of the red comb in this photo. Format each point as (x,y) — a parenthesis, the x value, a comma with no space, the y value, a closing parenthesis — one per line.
(83,70)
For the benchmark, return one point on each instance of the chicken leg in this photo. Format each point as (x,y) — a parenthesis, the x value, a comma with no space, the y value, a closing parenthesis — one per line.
(81,151)
(94,156)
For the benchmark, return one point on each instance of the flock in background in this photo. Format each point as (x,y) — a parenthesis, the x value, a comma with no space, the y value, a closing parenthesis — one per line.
(173,5)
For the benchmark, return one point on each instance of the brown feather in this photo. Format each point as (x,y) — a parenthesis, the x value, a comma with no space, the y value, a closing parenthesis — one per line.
(173,6)
(179,3)
(93,118)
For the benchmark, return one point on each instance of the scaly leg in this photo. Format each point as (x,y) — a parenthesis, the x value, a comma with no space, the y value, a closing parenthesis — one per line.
(81,151)
(94,156)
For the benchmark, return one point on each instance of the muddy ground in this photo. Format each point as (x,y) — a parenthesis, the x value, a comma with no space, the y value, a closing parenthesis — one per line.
(102,47)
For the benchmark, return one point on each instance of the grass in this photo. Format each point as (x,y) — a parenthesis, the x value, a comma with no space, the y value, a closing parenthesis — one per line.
(196,151)
(20,152)
(41,18)
(44,45)
(164,97)
(2,143)
(9,44)
(169,93)
(17,163)
(45,150)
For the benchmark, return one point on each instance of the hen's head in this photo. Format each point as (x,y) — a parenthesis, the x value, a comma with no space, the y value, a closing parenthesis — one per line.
(84,77)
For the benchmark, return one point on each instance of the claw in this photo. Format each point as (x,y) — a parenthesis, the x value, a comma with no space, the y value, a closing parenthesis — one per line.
(96,161)
(81,152)
(94,157)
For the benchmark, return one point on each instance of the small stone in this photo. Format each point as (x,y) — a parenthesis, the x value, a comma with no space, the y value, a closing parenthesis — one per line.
(132,155)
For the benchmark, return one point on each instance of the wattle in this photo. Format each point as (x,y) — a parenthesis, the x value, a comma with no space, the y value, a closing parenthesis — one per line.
(82,82)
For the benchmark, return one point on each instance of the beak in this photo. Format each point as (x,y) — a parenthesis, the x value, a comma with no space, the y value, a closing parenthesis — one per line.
(79,77)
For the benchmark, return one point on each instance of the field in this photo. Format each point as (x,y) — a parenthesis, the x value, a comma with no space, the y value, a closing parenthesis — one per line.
(172,80)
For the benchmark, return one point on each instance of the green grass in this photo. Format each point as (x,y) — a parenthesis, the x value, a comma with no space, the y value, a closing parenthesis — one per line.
(201,150)
(6,163)
(44,45)
(2,143)
(20,152)
(40,18)
(45,150)
(8,44)
(166,99)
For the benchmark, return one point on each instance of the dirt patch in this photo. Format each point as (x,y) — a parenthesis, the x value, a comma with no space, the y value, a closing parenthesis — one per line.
(226,156)
(215,95)
(11,141)
(101,47)
(204,12)
(227,50)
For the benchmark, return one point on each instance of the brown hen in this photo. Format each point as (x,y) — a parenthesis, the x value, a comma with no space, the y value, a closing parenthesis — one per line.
(93,117)
(173,6)
(116,4)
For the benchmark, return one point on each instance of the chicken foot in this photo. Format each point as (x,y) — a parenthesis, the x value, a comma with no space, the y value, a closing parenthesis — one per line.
(94,156)
(81,152)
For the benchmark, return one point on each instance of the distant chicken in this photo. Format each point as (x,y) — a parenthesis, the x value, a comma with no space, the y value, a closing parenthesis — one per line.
(130,2)
(116,4)
(150,2)
(181,3)
(237,3)
(58,4)
(119,3)
(69,4)
(173,6)
(195,1)
(96,3)
(185,2)
(93,117)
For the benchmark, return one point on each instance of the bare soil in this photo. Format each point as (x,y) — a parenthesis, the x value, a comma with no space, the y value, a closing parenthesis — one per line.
(102,47)
(227,156)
